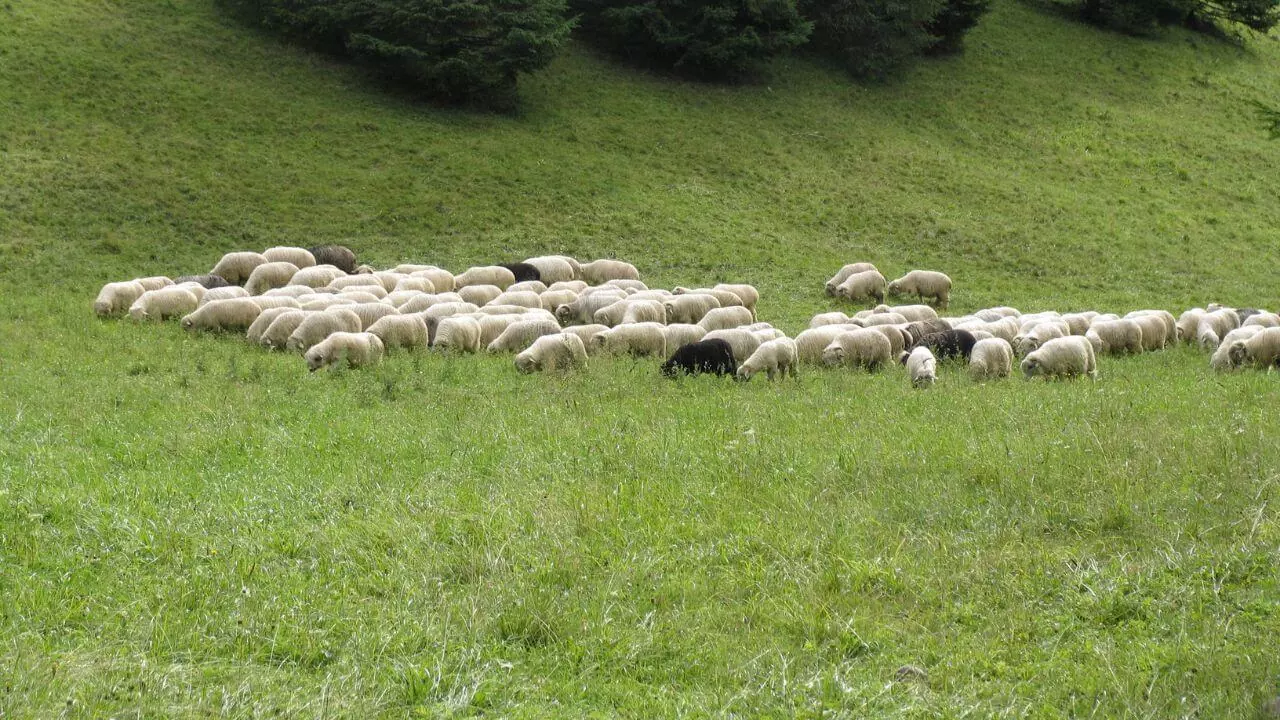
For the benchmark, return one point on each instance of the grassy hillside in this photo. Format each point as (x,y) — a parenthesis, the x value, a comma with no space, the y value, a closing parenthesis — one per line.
(191,526)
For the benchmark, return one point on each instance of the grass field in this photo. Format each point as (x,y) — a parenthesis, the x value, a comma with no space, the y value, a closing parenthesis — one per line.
(189,526)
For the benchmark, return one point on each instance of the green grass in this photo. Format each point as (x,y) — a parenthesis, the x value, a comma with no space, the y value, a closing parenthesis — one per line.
(189,526)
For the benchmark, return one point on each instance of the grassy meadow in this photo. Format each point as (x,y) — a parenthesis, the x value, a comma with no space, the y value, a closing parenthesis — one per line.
(193,527)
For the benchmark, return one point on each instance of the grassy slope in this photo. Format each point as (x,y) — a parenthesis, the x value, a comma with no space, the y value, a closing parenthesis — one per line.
(190,524)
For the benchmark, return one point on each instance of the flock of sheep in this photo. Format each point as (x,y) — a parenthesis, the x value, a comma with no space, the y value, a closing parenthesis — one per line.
(553,312)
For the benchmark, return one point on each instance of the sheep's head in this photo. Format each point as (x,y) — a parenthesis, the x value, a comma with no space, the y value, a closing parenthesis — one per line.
(744,373)
(526,363)
(1030,366)
(831,288)
(833,354)
(895,287)
(1238,353)
(314,361)
(188,323)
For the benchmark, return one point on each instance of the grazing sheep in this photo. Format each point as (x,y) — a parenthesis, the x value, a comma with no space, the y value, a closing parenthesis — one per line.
(267,302)
(316,277)
(479,294)
(420,284)
(724,297)
(714,357)
(460,333)
(682,334)
(991,358)
(296,256)
(422,303)
(491,326)
(263,321)
(505,310)
(1115,337)
(586,332)
(525,298)
(519,335)
(583,309)
(372,312)
(749,295)
(398,298)
(522,272)
(898,338)
(1213,326)
(223,293)
(1068,356)
(920,328)
(356,349)
(1039,334)
(868,285)
(338,256)
(639,311)
(389,280)
(345,282)
(434,314)
(220,315)
(198,290)
(1006,328)
(922,367)
(1078,323)
(1263,349)
(766,334)
(116,297)
(598,272)
(552,299)
(1167,320)
(981,334)
(293,291)
(810,343)
(553,352)
(410,268)
(552,268)
(276,336)
(154,282)
(324,302)
(320,325)
(377,291)
(725,318)
(923,284)
(881,319)
(1221,359)
(442,280)
(844,274)
(268,276)
(639,339)
(536,287)
(689,308)
(399,331)
(830,318)
(1264,320)
(486,275)
(858,348)
(1154,330)
(1187,325)
(206,281)
(577,287)
(997,313)
(162,304)
(775,357)
(948,344)
(912,313)
(236,267)
(359,296)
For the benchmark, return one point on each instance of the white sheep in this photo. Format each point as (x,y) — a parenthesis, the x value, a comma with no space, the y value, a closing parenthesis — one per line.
(442,310)
(116,297)
(552,299)
(504,310)
(291,290)
(372,312)
(162,304)
(521,298)
(296,256)
(223,293)
(922,367)
(991,358)
(829,318)
(997,313)
(1039,334)
(520,335)
(1069,356)
(324,302)
(442,280)
(222,315)
(553,268)
(1115,337)
(1149,339)
(410,268)
(320,325)
(646,338)
(749,295)
(400,331)
(882,319)
(263,321)
(353,281)
(724,297)
(1213,326)
(577,287)
(460,333)
(858,348)
(491,326)
(1078,323)
(777,358)
(911,312)
(479,294)
(678,334)
(364,270)
(236,267)
(423,302)
(639,311)
(421,284)
(485,275)
(316,277)
(583,309)
(562,351)
(598,272)
(689,308)
(536,287)
(810,343)
(1221,359)
(897,335)
(276,336)
(270,275)
(1187,325)
(923,284)
(1263,349)
(630,286)
(154,282)
(358,296)
(725,318)
(766,334)
(357,349)
(868,285)
(845,272)
(266,302)
(1263,320)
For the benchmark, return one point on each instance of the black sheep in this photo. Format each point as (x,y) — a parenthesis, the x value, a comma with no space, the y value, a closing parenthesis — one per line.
(208,282)
(704,356)
(920,328)
(338,256)
(523,271)
(948,344)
